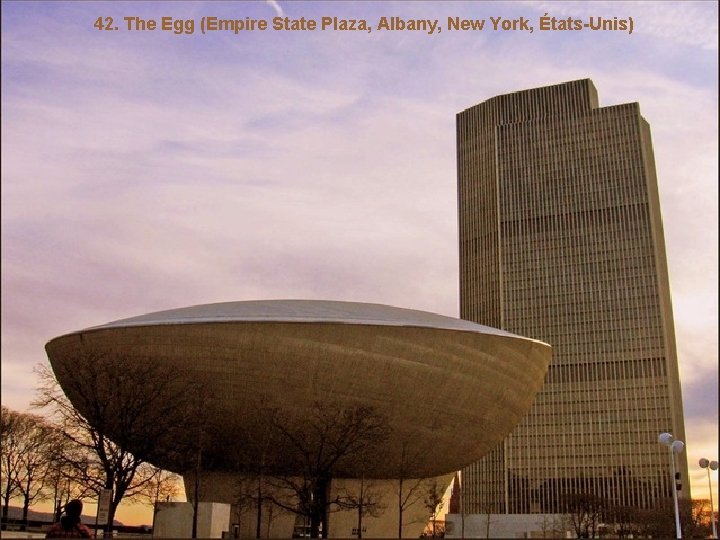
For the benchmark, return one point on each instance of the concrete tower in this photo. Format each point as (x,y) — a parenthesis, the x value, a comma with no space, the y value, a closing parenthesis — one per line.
(561,240)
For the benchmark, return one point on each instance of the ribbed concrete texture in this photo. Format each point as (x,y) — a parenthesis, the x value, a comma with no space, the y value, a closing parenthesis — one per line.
(452,389)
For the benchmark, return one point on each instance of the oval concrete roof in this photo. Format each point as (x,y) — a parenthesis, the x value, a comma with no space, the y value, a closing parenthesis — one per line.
(291,354)
(304,311)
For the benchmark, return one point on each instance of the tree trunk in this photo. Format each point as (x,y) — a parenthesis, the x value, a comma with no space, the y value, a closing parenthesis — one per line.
(270,513)
(5,511)
(58,509)
(6,504)
(462,513)
(360,506)
(318,509)
(196,487)
(116,496)
(315,520)
(400,509)
(326,508)
(56,501)
(111,518)
(26,505)
(259,507)
(196,494)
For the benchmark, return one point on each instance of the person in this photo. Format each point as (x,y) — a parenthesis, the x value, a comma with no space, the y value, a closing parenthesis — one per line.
(70,525)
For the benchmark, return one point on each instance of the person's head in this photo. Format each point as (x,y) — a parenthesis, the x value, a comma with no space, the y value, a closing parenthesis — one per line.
(74,508)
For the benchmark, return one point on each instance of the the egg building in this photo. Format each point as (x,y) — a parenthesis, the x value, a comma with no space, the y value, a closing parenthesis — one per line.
(450,388)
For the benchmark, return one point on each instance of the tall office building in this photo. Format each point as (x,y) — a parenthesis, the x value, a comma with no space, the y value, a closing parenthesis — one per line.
(561,240)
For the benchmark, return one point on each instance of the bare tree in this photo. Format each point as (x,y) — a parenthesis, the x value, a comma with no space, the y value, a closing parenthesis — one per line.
(433,501)
(199,427)
(409,491)
(486,509)
(245,497)
(584,510)
(551,526)
(655,522)
(28,443)
(253,451)
(126,412)
(659,521)
(366,500)
(61,482)
(161,485)
(254,447)
(325,442)
(36,458)
(362,495)
(254,494)
(12,427)
(434,529)
(696,518)
(625,520)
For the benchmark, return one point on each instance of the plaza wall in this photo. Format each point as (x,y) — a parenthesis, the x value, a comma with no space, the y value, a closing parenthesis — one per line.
(174,520)
(507,526)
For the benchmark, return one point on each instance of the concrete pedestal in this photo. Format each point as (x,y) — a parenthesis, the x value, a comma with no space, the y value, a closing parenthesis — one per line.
(174,520)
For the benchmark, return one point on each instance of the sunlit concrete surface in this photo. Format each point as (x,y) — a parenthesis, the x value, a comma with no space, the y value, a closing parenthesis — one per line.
(449,389)
(452,388)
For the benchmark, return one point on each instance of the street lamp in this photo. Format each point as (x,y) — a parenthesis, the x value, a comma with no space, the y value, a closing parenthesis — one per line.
(675,447)
(710,465)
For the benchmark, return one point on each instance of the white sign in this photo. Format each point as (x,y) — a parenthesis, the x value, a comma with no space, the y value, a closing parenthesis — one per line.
(103,510)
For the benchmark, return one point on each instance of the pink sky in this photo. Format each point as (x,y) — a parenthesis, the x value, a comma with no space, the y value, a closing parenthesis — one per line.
(148,171)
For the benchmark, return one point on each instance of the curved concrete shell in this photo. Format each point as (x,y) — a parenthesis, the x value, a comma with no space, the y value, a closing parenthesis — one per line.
(452,387)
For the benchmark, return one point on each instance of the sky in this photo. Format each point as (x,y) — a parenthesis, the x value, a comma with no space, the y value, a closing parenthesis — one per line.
(149,170)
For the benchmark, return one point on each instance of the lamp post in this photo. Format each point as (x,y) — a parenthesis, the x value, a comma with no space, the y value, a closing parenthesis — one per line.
(674,447)
(710,465)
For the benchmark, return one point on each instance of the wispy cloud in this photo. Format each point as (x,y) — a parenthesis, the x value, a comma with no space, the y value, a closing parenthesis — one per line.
(276,6)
